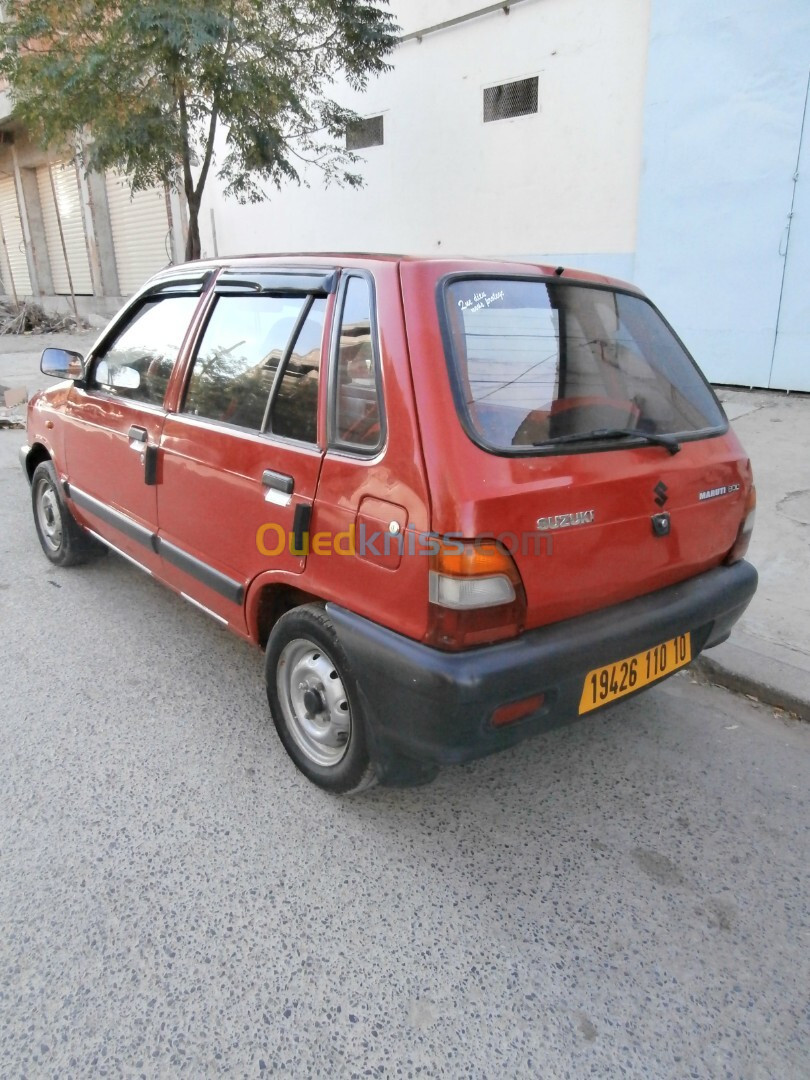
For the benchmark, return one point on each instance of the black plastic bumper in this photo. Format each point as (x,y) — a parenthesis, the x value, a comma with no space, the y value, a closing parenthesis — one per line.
(427,708)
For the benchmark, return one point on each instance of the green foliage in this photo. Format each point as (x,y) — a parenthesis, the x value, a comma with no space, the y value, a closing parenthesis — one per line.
(149,81)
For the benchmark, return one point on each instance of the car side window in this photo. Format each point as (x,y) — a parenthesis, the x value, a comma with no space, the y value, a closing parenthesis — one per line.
(137,364)
(237,362)
(295,410)
(356,404)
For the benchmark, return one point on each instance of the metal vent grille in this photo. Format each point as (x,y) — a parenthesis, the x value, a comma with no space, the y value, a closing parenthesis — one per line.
(362,133)
(510,99)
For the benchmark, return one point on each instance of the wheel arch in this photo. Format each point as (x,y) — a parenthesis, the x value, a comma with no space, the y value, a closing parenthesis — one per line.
(36,455)
(268,601)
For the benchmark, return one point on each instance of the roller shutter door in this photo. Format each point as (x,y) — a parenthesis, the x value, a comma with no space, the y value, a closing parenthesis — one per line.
(15,243)
(66,184)
(140,230)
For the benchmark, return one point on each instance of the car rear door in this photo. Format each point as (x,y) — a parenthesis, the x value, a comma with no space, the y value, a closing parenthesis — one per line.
(114,418)
(241,456)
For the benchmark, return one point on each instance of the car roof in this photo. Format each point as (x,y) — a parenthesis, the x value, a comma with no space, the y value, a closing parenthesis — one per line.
(444,264)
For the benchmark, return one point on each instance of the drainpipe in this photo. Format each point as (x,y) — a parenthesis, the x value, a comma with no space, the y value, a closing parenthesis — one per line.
(505,6)
(791,212)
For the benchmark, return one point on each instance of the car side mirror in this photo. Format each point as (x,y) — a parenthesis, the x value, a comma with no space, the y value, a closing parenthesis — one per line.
(62,364)
(121,378)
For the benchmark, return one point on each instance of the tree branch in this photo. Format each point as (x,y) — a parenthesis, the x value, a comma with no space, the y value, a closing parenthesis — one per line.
(188,179)
(212,127)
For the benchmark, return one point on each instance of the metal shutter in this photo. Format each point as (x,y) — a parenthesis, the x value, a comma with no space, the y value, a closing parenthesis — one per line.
(15,242)
(140,229)
(66,184)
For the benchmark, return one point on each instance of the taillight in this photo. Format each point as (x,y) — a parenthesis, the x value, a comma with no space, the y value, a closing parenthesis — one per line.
(476,594)
(740,547)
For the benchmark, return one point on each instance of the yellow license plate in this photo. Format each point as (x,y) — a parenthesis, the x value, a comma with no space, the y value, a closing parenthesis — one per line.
(605,684)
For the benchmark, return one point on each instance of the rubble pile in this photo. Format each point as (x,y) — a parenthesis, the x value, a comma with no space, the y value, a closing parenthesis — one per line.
(29,318)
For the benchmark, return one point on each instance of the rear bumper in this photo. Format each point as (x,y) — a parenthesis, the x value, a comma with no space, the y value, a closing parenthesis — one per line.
(427,708)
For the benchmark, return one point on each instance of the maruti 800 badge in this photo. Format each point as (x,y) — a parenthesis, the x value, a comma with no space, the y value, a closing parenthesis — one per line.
(715,493)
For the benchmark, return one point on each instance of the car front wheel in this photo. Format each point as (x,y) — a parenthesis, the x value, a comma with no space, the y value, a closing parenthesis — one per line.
(314,701)
(63,540)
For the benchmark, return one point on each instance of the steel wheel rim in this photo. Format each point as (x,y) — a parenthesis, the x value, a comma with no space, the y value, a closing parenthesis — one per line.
(49,516)
(314,702)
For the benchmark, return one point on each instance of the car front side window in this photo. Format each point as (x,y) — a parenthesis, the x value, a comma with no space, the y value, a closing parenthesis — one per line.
(137,364)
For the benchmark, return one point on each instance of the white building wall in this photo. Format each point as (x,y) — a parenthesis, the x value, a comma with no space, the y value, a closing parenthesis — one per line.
(724,119)
(562,183)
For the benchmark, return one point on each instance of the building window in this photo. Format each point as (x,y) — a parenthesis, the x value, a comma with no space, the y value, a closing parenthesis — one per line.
(507,100)
(364,132)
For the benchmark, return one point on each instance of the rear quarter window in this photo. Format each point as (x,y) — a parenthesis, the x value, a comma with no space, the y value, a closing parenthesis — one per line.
(357,422)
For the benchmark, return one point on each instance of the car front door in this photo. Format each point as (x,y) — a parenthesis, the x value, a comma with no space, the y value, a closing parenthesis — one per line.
(114,420)
(242,455)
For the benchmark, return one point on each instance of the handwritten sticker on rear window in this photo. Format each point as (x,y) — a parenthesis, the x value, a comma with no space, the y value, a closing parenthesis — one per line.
(481,300)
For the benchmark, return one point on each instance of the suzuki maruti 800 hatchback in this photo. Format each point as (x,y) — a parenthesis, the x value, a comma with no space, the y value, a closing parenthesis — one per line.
(456,502)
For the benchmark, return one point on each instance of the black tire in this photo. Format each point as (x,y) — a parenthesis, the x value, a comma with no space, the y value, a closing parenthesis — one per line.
(63,540)
(315,703)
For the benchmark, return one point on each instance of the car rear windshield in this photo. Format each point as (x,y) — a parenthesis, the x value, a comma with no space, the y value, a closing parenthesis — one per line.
(539,360)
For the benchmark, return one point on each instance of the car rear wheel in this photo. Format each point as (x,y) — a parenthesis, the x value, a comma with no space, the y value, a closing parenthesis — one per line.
(314,701)
(63,540)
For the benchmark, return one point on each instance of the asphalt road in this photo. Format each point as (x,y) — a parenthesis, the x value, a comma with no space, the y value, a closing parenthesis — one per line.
(624,897)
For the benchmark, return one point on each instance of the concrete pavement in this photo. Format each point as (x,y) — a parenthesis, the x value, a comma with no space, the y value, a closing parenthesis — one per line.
(768,654)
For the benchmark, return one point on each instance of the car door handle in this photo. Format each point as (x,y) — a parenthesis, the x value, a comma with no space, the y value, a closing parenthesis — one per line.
(278,488)
(278,482)
(138,437)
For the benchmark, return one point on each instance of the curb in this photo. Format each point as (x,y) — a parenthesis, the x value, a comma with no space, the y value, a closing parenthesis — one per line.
(775,696)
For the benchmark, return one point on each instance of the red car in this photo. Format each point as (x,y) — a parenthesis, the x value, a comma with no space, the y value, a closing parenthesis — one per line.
(457,502)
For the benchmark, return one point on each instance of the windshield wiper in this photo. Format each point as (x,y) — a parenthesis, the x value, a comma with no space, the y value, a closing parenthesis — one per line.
(598,434)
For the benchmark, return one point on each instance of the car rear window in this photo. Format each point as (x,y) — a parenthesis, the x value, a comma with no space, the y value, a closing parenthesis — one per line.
(537,360)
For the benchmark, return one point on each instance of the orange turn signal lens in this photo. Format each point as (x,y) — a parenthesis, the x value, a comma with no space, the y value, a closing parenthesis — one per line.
(477,558)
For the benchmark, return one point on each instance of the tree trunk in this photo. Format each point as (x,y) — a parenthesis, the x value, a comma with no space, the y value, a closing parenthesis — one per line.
(193,250)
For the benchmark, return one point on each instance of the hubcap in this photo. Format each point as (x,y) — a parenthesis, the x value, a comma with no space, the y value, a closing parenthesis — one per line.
(314,702)
(48,515)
